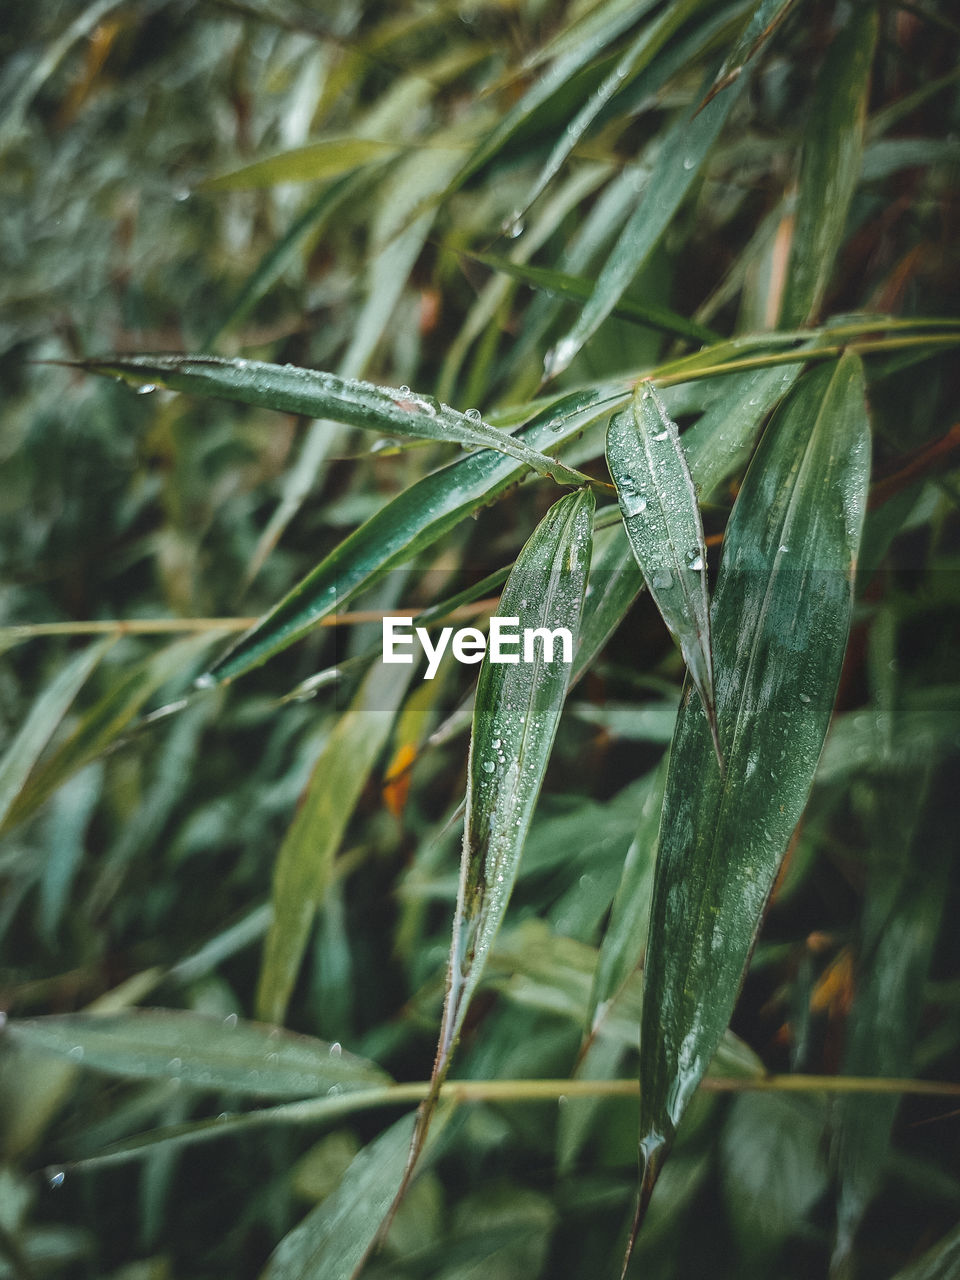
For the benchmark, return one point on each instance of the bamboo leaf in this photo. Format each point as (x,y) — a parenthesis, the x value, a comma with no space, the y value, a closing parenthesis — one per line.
(41,723)
(515,718)
(407,525)
(939,1263)
(333,1240)
(762,23)
(325,395)
(781,616)
(640,53)
(907,894)
(830,168)
(578,289)
(678,164)
(658,502)
(103,723)
(205,1052)
(324,159)
(305,863)
(625,939)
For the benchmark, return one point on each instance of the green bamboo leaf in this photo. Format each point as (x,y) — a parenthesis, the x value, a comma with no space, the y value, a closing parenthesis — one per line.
(628,66)
(205,1052)
(906,897)
(332,1242)
(305,863)
(314,394)
(660,513)
(830,168)
(677,166)
(515,718)
(939,1263)
(38,728)
(760,27)
(569,60)
(578,289)
(317,161)
(625,939)
(103,723)
(406,526)
(781,617)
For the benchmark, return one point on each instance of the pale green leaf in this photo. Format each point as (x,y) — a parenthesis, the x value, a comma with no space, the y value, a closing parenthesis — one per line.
(204,1052)
(305,863)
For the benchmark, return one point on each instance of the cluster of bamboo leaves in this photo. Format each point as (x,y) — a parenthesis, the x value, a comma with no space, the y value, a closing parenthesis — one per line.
(633,318)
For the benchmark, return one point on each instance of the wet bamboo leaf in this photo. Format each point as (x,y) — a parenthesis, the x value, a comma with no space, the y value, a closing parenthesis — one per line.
(515,718)
(328,158)
(906,896)
(578,289)
(207,1053)
(305,863)
(333,1240)
(103,723)
(625,939)
(41,723)
(628,66)
(407,525)
(678,164)
(763,22)
(830,168)
(595,34)
(662,518)
(781,616)
(391,411)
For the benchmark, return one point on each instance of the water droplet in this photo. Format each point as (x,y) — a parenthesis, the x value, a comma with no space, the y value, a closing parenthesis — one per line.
(496,744)
(146,388)
(76,1053)
(55,1177)
(336,1049)
(695,560)
(783,548)
(514,226)
(488,766)
(181,194)
(661,435)
(688,163)
(404,390)
(175,1065)
(662,580)
(557,425)
(335,1090)
(473,415)
(557,360)
(230,1020)
(205,681)
(804,697)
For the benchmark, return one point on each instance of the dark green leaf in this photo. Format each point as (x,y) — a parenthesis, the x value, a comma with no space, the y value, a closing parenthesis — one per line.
(677,166)
(780,621)
(414,520)
(830,169)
